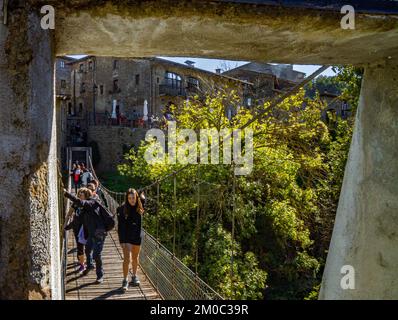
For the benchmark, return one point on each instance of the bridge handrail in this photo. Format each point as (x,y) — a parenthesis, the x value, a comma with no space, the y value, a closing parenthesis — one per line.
(64,207)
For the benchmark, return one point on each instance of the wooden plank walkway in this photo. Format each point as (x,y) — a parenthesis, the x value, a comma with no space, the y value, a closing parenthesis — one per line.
(79,287)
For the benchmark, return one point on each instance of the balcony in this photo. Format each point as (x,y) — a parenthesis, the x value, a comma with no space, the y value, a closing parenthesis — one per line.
(165,89)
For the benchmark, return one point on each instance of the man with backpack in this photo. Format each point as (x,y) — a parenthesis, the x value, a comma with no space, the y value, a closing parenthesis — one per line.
(98,221)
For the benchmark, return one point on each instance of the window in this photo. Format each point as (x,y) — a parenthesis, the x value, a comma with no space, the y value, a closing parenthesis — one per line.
(63,84)
(115,64)
(90,65)
(62,64)
(115,85)
(80,108)
(81,67)
(173,80)
(101,89)
(83,87)
(157,80)
(193,82)
(137,79)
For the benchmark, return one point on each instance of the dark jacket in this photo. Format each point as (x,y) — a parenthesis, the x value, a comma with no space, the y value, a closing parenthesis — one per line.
(90,215)
(129,227)
(77,221)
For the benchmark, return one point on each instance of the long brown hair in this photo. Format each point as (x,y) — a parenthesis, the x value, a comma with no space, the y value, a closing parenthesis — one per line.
(138,203)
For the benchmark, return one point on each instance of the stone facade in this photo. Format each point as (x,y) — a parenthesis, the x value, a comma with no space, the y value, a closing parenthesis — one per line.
(113,143)
(63,70)
(64,106)
(99,81)
(266,80)
(101,86)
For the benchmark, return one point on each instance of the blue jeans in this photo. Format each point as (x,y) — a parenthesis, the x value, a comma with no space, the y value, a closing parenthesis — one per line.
(94,248)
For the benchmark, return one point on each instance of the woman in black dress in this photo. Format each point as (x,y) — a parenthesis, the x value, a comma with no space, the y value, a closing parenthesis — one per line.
(129,216)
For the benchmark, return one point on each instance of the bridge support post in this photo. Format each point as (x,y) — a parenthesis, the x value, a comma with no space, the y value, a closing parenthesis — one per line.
(365,235)
(29,244)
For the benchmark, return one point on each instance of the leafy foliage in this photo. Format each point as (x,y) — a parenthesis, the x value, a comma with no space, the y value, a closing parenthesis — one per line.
(268,239)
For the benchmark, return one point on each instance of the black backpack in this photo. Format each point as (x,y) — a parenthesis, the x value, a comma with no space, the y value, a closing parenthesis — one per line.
(107,217)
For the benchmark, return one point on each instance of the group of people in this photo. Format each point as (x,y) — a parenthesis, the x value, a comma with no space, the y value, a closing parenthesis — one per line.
(135,119)
(81,176)
(86,219)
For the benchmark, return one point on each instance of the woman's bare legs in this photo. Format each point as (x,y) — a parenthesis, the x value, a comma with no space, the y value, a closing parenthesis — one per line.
(126,260)
(135,252)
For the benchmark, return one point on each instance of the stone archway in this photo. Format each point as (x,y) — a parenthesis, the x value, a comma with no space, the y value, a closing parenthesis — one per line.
(365,232)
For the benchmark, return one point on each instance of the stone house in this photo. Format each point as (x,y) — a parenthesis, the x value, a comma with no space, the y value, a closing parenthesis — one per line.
(112,91)
(266,80)
(101,84)
(63,91)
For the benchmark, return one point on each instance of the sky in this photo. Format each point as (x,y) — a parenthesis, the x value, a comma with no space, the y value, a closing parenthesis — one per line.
(213,64)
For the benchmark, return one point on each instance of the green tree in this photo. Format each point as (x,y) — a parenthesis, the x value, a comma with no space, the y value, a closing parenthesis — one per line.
(284,209)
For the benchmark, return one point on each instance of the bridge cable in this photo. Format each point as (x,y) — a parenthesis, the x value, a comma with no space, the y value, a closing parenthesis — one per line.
(233,226)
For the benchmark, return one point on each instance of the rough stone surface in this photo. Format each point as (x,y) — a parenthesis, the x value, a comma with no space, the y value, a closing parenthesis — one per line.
(365,234)
(113,142)
(221,30)
(26,99)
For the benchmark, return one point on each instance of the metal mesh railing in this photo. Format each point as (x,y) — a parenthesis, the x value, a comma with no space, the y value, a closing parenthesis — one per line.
(171,278)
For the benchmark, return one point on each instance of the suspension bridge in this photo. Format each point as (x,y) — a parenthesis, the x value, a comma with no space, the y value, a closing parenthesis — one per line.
(162,274)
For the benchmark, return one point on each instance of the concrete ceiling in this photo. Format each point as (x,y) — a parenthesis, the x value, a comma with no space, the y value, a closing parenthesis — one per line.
(217,29)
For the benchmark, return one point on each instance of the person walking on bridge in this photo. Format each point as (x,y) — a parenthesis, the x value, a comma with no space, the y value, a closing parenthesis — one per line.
(87,177)
(92,217)
(129,216)
(76,175)
(93,189)
(74,222)
(99,192)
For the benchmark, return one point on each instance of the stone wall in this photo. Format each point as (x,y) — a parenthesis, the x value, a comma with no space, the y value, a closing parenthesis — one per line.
(112,144)
(29,244)
(63,74)
(132,94)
